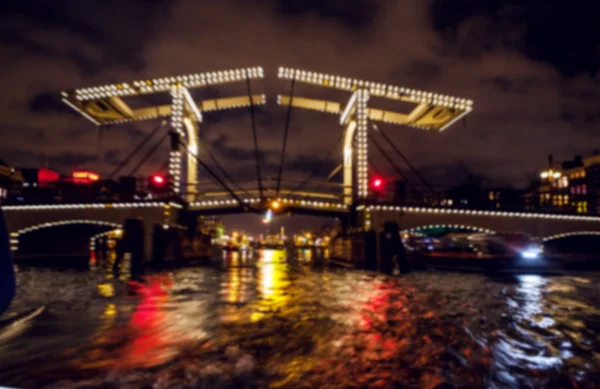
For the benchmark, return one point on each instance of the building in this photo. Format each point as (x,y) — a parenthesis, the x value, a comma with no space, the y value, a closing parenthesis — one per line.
(571,186)
(592,181)
(11,180)
(552,189)
(474,196)
(211,226)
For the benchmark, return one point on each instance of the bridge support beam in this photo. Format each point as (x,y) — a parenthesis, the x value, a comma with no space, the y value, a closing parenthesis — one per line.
(354,118)
(185,119)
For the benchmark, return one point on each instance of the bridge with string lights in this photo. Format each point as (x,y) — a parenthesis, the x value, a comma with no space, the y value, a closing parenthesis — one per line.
(357,200)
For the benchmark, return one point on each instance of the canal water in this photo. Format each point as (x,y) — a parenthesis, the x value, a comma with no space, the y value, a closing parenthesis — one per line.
(271,320)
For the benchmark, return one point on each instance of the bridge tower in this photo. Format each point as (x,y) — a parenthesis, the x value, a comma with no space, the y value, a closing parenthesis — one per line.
(430,112)
(106,105)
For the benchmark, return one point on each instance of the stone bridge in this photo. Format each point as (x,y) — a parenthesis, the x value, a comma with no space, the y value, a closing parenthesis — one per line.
(23,219)
(546,226)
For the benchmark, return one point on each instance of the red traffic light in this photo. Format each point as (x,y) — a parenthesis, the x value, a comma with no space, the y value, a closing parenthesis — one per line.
(377,183)
(158,180)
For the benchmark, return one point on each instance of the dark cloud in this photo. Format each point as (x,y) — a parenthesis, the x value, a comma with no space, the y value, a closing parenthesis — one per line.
(75,27)
(529,100)
(59,161)
(416,72)
(48,102)
(239,154)
(308,163)
(560,33)
(514,84)
(355,14)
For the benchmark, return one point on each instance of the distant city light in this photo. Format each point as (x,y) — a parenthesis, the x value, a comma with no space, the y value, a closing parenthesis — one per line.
(84,177)
(550,174)
(531,253)
(268,217)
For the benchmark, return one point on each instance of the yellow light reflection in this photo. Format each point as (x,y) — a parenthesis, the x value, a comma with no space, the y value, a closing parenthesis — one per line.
(272,282)
(106,290)
(234,285)
(110,310)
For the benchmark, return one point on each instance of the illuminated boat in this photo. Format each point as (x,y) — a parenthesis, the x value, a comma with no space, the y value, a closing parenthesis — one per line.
(480,252)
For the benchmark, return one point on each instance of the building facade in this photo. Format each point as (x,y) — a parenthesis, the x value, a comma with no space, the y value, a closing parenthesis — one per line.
(571,186)
(11,181)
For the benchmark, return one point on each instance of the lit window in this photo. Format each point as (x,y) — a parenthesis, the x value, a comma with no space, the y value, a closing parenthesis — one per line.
(584,189)
(491,196)
(563,182)
(582,174)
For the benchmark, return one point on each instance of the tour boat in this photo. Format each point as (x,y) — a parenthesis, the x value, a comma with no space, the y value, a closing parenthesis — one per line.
(491,252)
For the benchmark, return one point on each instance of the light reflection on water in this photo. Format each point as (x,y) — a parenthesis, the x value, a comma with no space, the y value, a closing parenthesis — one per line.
(295,325)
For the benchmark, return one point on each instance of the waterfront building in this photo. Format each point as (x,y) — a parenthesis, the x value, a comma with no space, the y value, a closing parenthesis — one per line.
(592,182)
(473,195)
(10,180)
(211,226)
(571,186)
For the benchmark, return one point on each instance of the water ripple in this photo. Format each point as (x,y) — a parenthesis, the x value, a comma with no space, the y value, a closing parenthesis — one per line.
(281,323)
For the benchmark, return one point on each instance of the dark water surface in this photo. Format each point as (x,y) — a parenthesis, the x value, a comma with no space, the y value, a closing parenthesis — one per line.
(277,322)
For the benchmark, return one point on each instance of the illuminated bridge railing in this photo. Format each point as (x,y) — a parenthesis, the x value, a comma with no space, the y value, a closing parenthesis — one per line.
(474,212)
(284,203)
(75,206)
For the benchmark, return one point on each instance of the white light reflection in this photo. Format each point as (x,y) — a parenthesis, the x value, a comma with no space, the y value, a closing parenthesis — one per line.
(524,346)
(531,291)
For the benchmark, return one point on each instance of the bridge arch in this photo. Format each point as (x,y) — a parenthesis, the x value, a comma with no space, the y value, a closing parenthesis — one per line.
(440,227)
(569,234)
(15,236)
(100,235)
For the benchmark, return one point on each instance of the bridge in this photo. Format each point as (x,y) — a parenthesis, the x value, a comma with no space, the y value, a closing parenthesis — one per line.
(353,203)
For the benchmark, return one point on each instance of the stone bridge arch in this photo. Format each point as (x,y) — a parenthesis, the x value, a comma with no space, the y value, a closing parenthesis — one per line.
(535,224)
(456,227)
(569,234)
(16,236)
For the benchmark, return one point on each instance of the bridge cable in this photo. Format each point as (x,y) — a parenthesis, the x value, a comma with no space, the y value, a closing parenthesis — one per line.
(164,166)
(285,135)
(225,174)
(318,167)
(148,154)
(410,165)
(136,150)
(375,167)
(217,178)
(256,151)
(398,170)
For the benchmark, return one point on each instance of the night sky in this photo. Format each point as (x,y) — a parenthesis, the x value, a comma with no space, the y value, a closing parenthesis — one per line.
(530,67)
